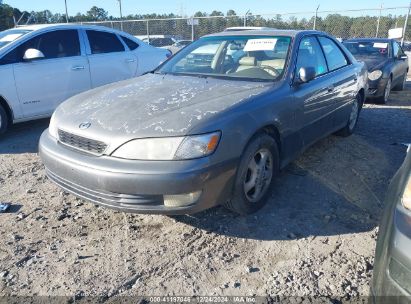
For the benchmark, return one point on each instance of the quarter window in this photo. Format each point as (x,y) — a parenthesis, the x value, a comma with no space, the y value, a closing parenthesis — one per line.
(56,44)
(335,57)
(132,45)
(310,55)
(103,42)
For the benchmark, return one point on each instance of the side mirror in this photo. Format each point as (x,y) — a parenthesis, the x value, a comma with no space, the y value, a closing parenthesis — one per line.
(33,54)
(306,74)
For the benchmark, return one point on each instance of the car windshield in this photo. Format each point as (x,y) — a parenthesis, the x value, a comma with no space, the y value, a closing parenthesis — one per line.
(10,35)
(367,48)
(258,58)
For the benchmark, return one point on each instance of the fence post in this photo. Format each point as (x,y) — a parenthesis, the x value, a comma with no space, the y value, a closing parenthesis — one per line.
(192,28)
(148,32)
(315,18)
(378,22)
(405,25)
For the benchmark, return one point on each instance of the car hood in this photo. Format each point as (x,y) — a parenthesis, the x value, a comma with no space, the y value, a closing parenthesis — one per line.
(152,105)
(373,63)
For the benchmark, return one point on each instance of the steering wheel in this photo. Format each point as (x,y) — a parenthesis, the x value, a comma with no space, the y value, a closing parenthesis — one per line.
(272,71)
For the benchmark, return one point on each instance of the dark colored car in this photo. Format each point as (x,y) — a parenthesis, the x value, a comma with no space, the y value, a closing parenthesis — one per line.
(392,266)
(386,62)
(197,133)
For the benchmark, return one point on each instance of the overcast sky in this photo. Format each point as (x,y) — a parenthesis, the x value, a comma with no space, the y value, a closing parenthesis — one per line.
(189,7)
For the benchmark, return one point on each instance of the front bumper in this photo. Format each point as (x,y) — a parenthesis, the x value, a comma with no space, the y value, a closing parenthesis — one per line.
(136,186)
(376,88)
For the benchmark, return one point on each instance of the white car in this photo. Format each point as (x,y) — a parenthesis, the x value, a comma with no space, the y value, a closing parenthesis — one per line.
(43,65)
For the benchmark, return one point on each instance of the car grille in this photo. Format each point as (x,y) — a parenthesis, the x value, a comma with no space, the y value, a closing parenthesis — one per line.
(82,143)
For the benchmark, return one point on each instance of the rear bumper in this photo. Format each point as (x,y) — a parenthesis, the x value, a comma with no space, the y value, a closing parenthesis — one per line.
(136,186)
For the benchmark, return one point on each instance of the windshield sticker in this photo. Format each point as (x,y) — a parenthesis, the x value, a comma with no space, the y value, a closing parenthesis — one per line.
(10,37)
(260,45)
(380,45)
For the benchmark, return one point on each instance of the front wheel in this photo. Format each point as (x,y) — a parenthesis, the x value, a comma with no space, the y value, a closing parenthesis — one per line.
(353,119)
(4,121)
(386,95)
(257,170)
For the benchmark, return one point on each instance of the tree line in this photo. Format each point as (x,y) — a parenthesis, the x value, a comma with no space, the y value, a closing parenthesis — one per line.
(335,24)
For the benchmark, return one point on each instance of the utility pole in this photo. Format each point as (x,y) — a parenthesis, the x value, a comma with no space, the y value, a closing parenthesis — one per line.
(315,18)
(245,18)
(405,25)
(378,22)
(65,4)
(121,15)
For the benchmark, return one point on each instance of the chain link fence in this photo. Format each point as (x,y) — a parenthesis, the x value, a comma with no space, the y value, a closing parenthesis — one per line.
(343,24)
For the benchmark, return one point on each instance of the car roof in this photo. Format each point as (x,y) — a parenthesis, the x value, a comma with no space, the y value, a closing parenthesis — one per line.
(35,27)
(265,32)
(368,40)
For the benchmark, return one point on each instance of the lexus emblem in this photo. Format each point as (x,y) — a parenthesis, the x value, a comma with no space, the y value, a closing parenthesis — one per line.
(84,125)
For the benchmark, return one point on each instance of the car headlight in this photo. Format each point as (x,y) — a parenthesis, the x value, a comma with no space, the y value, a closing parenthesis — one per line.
(375,75)
(53,127)
(169,148)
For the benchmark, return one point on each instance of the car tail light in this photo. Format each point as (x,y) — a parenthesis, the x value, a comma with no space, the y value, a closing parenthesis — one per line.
(406,198)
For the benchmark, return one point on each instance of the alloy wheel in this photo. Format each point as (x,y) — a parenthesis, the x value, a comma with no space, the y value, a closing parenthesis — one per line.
(259,175)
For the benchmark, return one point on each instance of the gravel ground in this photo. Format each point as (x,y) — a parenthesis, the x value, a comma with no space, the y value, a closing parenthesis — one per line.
(315,237)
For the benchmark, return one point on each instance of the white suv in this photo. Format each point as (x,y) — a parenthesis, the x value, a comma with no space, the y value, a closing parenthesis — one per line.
(42,65)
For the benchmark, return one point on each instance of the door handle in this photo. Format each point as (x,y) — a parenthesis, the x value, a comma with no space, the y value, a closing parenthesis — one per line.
(77,68)
(130,60)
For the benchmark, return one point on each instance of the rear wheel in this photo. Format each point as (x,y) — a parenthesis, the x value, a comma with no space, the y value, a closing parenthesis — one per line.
(258,168)
(353,119)
(4,120)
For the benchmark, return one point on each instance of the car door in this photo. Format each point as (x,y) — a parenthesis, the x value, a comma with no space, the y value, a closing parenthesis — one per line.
(44,83)
(315,97)
(110,59)
(344,81)
(400,65)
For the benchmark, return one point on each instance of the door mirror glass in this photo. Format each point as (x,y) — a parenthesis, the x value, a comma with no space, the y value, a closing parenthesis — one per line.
(306,74)
(33,54)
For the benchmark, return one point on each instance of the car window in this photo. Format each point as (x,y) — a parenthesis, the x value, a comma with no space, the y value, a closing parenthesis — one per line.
(132,45)
(9,36)
(55,44)
(335,57)
(104,42)
(255,58)
(372,48)
(310,55)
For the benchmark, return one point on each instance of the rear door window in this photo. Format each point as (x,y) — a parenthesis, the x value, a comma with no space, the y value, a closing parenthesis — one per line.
(335,57)
(104,42)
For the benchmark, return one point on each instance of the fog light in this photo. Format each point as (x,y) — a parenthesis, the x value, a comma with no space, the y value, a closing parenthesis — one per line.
(181,200)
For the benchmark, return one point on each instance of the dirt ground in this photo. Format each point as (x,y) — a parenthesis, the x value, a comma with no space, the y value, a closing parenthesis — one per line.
(315,237)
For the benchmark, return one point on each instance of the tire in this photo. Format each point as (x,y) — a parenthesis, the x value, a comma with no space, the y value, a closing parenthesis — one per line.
(384,98)
(252,184)
(401,86)
(4,120)
(353,119)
